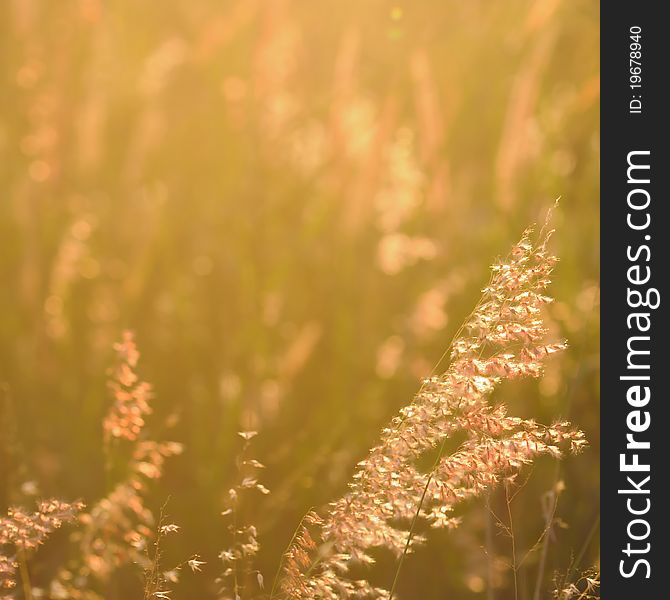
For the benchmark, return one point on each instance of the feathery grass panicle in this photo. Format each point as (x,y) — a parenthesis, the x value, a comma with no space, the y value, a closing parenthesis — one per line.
(28,530)
(115,530)
(22,532)
(503,338)
(239,579)
(159,581)
(125,418)
(587,587)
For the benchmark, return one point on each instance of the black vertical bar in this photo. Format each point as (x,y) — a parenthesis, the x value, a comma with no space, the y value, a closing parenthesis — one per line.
(635,548)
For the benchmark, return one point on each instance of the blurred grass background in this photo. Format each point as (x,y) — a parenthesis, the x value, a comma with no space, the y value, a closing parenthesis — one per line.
(294,204)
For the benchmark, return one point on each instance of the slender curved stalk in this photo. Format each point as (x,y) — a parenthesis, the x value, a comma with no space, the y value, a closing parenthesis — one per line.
(410,535)
(511,531)
(25,575)
(490,550)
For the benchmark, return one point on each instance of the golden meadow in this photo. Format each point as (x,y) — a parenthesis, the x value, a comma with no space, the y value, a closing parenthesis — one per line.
(294,206)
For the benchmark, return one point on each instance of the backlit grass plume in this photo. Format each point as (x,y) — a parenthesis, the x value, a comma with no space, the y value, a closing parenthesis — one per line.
(21,532)
(503,338)
(116,530)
